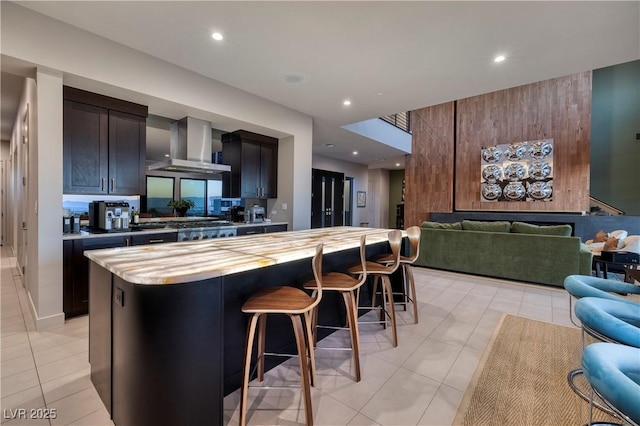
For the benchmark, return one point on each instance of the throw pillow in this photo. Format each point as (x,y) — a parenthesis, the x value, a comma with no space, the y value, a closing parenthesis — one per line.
(528,228)
(497,226)
(600,237)
(632,244)
(620,234)
(438,225)
(611,244)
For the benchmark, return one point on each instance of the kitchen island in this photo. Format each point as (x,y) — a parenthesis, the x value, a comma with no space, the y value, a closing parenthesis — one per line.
(166,330)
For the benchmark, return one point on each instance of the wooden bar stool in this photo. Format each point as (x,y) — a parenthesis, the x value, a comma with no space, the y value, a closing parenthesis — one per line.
(413,233)
(382,272)
(298,305)
(346,285)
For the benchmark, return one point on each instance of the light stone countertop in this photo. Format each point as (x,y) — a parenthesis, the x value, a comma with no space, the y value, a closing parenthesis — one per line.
(189,261)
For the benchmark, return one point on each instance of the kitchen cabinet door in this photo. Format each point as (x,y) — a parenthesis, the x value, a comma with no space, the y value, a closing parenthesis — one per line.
(250,170)
(250,230)
(275,228)
(254,165)
(75,290)
(127,141)
(85,148)
(154,238)
(104,144)
(269,171)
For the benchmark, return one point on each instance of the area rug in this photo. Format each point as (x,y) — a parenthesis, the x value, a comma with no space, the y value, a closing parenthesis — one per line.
(522,378)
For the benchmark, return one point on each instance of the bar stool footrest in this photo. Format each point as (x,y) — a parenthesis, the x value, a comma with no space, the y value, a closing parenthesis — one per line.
(571,377)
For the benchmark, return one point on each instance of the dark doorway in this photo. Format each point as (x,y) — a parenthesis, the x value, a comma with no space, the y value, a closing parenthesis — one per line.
(327,198)
(348,201)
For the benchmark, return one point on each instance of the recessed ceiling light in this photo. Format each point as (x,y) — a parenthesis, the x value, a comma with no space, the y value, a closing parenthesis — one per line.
(397,164)
(293,78)
(355,152)
(167,155)
(329,145)
(499,58)
(346,102)
(217,36)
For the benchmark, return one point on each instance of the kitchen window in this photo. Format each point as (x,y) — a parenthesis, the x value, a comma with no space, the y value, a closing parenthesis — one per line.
(206,194)
(159,193)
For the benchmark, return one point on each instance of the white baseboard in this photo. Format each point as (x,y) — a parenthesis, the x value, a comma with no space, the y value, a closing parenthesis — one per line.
(43,323)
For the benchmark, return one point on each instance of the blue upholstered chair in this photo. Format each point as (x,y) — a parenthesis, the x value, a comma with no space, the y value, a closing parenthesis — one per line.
(580,286)
(613,371)
(613,321)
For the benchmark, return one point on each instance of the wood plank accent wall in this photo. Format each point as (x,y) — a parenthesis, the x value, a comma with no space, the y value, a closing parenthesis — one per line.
(559,108)
(429,168)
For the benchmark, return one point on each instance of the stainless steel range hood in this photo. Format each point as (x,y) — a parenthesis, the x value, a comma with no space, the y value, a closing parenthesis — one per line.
(190,149)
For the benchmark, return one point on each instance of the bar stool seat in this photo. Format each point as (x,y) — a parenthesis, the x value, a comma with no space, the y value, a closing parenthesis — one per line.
(381,272)
(580,286)
(612,371)
(346,285)
(271,300)
(612,321)
(296,304)
(408,294)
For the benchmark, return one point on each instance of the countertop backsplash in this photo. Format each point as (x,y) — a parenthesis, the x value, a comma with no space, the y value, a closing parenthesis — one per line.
(79,204)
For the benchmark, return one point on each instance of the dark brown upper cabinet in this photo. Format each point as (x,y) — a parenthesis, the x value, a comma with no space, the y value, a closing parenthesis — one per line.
(254,165)
(104,143)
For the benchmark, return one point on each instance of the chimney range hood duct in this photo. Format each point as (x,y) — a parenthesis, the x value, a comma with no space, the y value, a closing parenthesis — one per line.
(190,149)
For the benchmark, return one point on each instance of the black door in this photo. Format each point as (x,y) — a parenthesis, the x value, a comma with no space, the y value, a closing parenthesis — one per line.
(327,198)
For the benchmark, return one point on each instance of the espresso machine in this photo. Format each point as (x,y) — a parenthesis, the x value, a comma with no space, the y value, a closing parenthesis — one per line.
(109,215)
(257,214)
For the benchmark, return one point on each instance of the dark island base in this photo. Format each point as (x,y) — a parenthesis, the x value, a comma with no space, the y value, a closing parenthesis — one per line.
(168,354)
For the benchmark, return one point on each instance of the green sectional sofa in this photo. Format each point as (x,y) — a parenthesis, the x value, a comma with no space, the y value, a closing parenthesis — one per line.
(518,251)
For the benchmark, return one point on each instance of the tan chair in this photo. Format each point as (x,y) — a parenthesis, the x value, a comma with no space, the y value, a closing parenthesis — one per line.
(381,272)
(298,305)
(413,233)
(347,286)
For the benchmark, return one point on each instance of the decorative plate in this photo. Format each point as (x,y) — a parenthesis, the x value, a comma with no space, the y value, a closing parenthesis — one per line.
(515,152)
(540,149)
(514,191)
(491,154)
(540,190)
(492,173)
(491,191)
(515,171)
(540,170)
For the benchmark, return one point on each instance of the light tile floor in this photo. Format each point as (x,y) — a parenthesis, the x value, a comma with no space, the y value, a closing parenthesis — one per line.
(421,382)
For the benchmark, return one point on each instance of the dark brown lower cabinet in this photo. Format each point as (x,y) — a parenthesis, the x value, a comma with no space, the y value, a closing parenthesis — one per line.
(261,229)
(75,288)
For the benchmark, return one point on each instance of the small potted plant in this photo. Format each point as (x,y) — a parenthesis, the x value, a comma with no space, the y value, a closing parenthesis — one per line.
(181,206)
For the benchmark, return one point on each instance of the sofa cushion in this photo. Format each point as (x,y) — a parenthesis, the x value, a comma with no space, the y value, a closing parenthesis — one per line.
(438,225)
(600,237)
(528,228)
(475,225)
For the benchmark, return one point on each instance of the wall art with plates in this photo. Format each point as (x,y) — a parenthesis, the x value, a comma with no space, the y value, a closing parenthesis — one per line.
(519,171)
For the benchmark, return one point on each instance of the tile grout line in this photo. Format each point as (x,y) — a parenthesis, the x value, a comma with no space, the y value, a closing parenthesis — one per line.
(17,283)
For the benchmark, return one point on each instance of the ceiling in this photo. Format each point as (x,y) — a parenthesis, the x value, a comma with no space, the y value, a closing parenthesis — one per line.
(385,57)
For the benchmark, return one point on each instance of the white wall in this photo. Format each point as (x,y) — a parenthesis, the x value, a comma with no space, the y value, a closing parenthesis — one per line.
(44,273)
(360,175)
(89,62)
